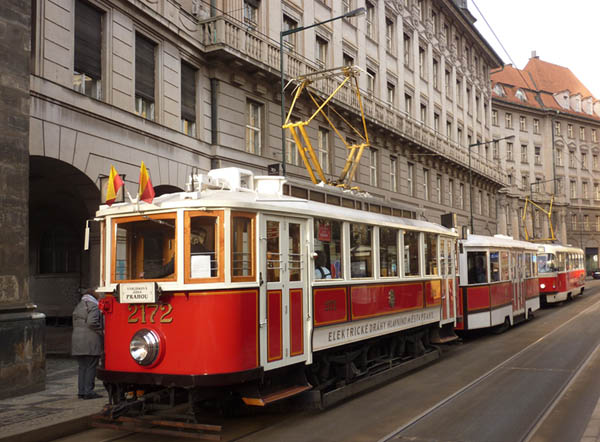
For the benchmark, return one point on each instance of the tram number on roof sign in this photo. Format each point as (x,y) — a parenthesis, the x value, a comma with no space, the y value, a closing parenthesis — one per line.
(147,313)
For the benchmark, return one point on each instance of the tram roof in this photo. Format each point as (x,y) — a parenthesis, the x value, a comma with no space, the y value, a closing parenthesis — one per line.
(279,204)
(553,248)
(497,241)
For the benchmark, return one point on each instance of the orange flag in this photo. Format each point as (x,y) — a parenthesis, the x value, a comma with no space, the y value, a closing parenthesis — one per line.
(146,191)
(114,184)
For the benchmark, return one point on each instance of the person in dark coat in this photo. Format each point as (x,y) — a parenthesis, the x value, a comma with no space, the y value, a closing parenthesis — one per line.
(87,342)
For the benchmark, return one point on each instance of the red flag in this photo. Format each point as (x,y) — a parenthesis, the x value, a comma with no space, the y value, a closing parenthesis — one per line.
(114,184)
(146,191)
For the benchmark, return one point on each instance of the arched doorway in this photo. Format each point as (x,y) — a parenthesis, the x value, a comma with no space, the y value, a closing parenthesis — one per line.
(61,199)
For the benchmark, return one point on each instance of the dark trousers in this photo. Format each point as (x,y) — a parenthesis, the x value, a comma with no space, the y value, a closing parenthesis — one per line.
(87,373)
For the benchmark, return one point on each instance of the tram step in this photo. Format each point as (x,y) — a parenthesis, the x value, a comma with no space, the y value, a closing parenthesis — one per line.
(261,400)
(443,335)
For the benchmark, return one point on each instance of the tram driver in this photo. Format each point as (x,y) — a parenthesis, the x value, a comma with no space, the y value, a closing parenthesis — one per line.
(321,269)
(477,267)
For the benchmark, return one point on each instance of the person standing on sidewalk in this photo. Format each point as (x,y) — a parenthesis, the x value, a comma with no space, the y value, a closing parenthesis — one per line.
(87,342)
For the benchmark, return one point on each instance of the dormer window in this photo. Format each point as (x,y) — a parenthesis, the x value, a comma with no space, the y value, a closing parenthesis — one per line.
(499,90)
(521,95)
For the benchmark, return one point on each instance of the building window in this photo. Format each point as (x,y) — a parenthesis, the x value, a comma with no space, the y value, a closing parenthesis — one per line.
(436,74)
(371,82)
(523,123)
(595,162)
(438,189)
(408,104)
(449,129)
(572,159)
(389,35)
(495,154)
(451,193)
(391,94)
(321,51)
(426,184)
(393,174)
(557,128)
(348,60)
(144,76)
(582,133)
(410,179)
(538,155)
(290,39)
(597,223)
(559,157)
(436,121)
(346,6)
(494,117)
(509,151)
(596,191)
(407,51)
(422,62)
(524,181)
(254,112)
(423,113)
(574,222)
(523,153)
(469,99)
(573,189)
(188,99)
(585,190)
(291,152)
(586,222)
(373,181)
(594,136)
(536,126)
(559,186)
(480,202)
(323,149)
(459,95)
(447,83)
(570,130)
(461,196)
(508,120)
(251,13)
(370,20)
(87,75)
(584,160)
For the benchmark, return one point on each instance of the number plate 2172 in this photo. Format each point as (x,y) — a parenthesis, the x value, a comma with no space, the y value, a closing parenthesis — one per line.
(150,313)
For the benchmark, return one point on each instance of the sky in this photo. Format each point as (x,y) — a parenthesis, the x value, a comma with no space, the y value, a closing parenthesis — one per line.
(561,32)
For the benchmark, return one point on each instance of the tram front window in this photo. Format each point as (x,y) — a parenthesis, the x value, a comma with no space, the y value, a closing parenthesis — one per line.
(477,267)
(145,248)
(203,240)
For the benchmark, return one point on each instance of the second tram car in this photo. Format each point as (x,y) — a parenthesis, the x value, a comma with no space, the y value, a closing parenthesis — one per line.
(561,272)
(234,287)
(498,282)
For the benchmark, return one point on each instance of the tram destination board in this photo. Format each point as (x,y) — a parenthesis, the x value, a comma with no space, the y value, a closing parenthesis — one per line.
(137,293)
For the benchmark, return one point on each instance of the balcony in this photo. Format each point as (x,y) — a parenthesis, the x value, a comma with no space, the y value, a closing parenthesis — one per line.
(225,34)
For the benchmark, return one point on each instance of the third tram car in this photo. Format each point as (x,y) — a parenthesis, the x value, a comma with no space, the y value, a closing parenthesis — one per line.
(234,287)
(498,282)
(561,271)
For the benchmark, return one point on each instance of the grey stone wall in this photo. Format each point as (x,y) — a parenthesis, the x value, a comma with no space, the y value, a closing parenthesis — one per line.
(22,363)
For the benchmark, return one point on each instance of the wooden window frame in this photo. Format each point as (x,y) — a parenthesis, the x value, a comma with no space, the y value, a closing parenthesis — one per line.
(219,245)
(252,217)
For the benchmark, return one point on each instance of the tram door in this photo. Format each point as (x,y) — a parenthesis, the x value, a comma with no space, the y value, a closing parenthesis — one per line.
(283,297)
(447,271)
(518,261)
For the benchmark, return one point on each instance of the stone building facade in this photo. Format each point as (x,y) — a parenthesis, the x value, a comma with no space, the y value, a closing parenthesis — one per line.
(190,85)
(556,152)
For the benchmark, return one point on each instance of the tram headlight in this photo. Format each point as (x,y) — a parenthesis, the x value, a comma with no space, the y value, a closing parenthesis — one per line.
(144,346)
(542,286)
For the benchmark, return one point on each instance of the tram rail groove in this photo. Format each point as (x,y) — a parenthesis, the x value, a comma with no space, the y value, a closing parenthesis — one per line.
(493,370)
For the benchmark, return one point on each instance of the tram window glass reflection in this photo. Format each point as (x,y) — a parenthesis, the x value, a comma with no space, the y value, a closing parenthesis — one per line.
(203,245)
(361,251)
(534,267)
(504,266)
(328,242)
(527,266)
(242,247)
(560,263)
(145,248)
(546,262)
(294,255)
(495,266)
(273,252)
(430,244)
(412,251)
(477,265)
(388,251)
(443,269)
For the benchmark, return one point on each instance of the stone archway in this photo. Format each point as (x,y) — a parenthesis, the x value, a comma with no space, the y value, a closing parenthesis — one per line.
(61,199)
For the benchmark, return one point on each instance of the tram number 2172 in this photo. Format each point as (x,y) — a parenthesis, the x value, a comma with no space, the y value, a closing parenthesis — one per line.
(146,313)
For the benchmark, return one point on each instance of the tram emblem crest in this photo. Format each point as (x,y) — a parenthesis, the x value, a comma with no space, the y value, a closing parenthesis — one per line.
(391,299)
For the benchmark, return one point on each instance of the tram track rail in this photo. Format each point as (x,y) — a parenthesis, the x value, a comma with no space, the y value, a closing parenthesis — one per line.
(535,424)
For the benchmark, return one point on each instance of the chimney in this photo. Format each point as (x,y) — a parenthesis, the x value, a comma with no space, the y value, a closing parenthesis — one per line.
(534,54)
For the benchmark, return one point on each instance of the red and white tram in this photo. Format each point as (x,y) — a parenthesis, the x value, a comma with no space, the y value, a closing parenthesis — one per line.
(235,287)
(498,281)
(561,272)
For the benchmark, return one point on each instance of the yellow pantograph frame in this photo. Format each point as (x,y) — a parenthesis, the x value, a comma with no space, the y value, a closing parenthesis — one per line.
(298,129)
(541,209)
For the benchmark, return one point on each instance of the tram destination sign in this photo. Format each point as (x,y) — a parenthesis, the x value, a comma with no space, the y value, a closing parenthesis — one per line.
(137,293)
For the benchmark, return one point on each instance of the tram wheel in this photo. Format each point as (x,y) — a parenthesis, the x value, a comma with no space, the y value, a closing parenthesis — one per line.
(502,327)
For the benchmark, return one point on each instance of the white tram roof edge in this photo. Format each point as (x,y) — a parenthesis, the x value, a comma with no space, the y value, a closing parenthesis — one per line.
(263,193)
(497,241)
(553,248)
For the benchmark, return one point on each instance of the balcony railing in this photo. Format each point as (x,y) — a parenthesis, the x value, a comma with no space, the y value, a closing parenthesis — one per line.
(226,33)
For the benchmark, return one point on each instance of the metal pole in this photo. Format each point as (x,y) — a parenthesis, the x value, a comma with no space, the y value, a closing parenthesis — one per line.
(471,189)
(283,153)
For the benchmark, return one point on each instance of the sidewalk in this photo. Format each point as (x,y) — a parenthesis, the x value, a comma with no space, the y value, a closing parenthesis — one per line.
(53,412)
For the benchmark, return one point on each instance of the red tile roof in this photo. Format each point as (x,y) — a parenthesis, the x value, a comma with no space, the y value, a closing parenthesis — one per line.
(554,78)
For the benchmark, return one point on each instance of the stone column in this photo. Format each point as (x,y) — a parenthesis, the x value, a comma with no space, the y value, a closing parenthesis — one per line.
(501,215)
(22,353)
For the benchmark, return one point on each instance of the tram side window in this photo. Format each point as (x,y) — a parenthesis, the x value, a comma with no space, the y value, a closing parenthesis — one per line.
(328,246)
(504,266)
(477,265)
(242,247)
(361,251)
(495,266)
(560,267)
(412,251)
(528,263)
(430,244)
(203,246)
(294,254)
(388,251)
(145,248)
